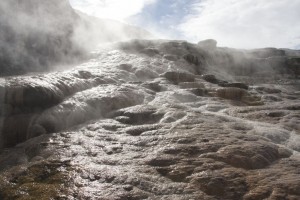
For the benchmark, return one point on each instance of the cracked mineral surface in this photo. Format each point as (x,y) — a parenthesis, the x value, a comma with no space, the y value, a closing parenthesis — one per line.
(154,120)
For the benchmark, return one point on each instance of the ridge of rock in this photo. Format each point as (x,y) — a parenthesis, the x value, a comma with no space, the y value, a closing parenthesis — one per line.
(154,119)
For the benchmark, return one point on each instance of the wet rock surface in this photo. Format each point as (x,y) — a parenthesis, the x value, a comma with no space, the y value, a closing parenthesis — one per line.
(128,125)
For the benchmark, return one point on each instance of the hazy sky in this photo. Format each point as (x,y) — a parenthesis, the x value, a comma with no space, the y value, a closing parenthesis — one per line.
(234,23)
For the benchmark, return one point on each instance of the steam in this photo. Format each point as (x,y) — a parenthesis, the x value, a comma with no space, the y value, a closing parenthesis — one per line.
(36,35)
(2,96)
(92,32)
(244,24)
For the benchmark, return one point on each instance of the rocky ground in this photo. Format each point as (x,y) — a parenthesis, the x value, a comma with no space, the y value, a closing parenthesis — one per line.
(155,120)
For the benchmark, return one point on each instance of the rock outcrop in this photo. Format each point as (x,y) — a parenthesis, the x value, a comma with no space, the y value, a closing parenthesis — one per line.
(144,121)
(209,44)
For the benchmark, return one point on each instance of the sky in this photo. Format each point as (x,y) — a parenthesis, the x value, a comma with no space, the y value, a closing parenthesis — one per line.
(233,23)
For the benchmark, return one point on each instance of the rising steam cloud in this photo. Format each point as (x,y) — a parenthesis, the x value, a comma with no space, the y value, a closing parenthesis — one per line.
(36,35)
(244,24)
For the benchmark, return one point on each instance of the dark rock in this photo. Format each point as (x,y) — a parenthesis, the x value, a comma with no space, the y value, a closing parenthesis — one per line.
(231,93)
(240,95)
(178,77)
(275,114)
(152,86)
(170,57)
(139,115)
(198,91)
(128,187)
(150,51)
(271,98)
(85,74)
(145,74)
(192,59)
(210,78)
(138,130)
(237,85)
(162,161)
(126,67)
(268,90)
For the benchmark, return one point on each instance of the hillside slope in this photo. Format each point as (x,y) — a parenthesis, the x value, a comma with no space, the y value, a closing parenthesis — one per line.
(155,119)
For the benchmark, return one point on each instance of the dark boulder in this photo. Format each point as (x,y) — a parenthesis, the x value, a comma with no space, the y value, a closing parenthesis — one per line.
(198,91)
(231,93)
(178,77)
(210,78)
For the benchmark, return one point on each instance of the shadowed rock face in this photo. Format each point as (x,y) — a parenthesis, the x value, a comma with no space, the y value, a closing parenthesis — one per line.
(144,121)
